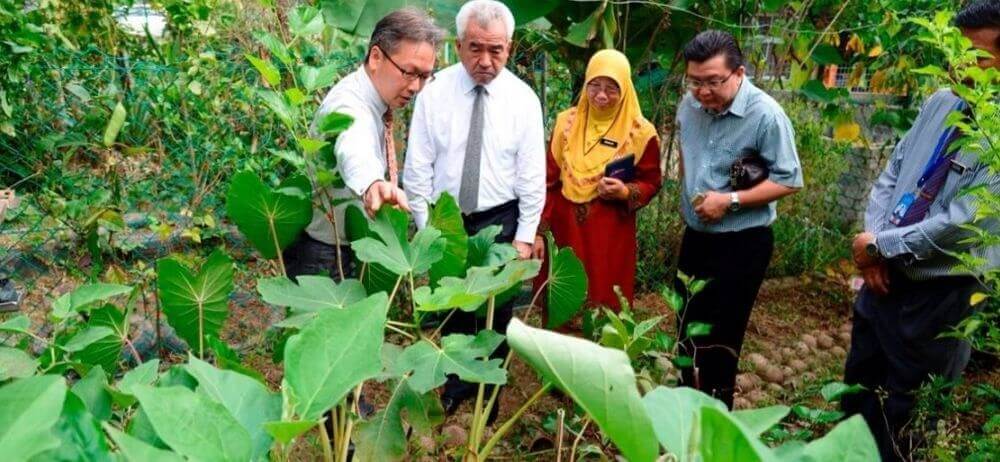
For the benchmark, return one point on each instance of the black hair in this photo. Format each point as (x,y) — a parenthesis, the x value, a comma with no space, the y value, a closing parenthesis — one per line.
(712,43)
(980,14)
(401,25)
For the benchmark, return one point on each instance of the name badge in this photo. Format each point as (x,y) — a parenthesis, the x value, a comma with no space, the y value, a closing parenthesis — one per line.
(958,167)
(900,211)
(609,143)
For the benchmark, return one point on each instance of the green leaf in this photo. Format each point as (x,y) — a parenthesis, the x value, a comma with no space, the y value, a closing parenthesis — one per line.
(115,124)
(459,354)
(247,400)
(84,297)
(485,251)
(31,408)
(674,412)
(144,375)
(334,123)
(106,351)
(317,78)
(383,438)
(613,401)
(698,329)
(135,450)
(271,220)
(274,46)
(333,353)
(833,391)
(827,54)
(446,217)
(375,277)
(723,438)
(393,251)
(470,292)
(580,34)
(80,436)
(312,294)
(226,358)
(19,324)
(16,364)
(86,337)
(92,390)
(277,103)
(284,432)
(196,305)
(816,91)
(194,425)
(268,71)
(567,284)
(849,441)
(526,11)
(305,20)
(761,420)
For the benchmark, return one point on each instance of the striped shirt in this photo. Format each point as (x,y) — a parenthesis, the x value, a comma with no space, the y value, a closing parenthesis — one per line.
(925,249)
(710,143)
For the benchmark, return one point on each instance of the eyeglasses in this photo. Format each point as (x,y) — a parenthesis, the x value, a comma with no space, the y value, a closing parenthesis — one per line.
(610,90)
(408,75)
(713,84)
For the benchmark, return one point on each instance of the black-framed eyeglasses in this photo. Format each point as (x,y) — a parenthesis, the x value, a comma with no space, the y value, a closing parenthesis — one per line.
(713,84)
(408,75)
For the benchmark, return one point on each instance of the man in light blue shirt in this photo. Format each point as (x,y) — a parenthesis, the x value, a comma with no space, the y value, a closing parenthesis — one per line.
(728,239)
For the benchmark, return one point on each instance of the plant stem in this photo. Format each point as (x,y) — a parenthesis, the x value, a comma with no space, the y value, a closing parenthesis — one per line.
(579,436)
(325,441)
(346,445)
(400,331)
(277,247)
(510,422)
(480,415)
(559,433)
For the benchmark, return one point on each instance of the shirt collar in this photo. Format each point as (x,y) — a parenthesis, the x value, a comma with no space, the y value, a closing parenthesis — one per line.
(369,92)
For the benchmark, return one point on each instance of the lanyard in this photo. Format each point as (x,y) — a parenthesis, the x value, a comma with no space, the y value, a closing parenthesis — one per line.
(939,151)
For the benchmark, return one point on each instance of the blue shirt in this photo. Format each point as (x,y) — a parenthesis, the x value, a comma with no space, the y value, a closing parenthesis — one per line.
(925,249)
(710,143)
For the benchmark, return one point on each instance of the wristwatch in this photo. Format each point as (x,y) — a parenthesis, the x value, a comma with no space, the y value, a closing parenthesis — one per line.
(734,201)
(872,250)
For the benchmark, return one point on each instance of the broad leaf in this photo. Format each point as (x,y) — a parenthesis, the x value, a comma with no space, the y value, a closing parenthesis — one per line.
(312,293)
(459,354)
(146,374)
(316,78)
(485,251)
(270,219)
(285,432)
(359,17)
(196,305)
(86,337)
(333,353)
(479,284)
(247,400)
(305,20)
(80,436)
(31,408)
(19,324)
(393,251)
(115,124)
(106,351)
(194,425)
(612,401)
(567,284)
(267,70)
(723,438)
(133,449)
(674,412)
(92,390)
(15,364)
(833,391)
(849,441)
(84,297)
(333,123)
(526,11)
(826,54)
(382,437)
(761,420)
(446,217)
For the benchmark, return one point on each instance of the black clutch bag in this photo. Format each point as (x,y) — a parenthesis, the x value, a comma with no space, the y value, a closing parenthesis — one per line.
(622,169)
(748,170)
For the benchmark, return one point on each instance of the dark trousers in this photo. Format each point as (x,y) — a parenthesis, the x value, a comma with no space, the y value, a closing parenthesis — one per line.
(461,322)
(895,349)
(308,256)
(734,265)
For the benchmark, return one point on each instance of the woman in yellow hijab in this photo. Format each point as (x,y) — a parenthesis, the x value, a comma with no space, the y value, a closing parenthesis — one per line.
(603,165)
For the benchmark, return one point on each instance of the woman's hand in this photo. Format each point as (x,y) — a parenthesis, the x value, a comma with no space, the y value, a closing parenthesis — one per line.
(538,250)
(612,189)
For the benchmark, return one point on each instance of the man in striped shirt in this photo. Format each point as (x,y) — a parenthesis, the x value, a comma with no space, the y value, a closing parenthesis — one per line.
(914,288)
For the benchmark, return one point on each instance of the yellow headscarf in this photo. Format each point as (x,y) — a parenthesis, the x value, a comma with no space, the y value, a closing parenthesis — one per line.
(576,141)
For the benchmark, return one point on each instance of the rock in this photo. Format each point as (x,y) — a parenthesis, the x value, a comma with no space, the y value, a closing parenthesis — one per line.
(799,365)
(756,396)
(809,340)
(789,372)
(746,382)
(846,327)
(775,388)
(844,337)
(741,403)
(427,444)
(838,352)
(825,341)
(758,360)
(776,356)
(788,353)
(802,349)
(823,356)
(807,377)
(664,364)
(454,436)
(773,374)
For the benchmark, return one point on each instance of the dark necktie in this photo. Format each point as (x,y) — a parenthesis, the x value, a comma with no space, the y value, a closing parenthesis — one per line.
(932,186)
(468,195)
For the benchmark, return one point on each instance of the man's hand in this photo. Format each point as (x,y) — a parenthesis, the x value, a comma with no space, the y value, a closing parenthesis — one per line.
(384,193)
(612,189)
(523,250)
(713,207)
(538,250)
(874,270)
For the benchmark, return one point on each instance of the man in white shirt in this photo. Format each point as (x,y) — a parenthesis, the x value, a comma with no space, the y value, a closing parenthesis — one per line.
(399,62)
(477,133)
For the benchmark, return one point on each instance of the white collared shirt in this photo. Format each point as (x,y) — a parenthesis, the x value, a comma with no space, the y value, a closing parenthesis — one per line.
(512,164)
(360,150)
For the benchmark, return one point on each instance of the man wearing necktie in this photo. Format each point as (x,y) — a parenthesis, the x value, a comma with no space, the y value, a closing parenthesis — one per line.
(914,289)
(477,133)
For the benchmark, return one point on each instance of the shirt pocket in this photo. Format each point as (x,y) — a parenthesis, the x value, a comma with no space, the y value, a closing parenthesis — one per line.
(958,178)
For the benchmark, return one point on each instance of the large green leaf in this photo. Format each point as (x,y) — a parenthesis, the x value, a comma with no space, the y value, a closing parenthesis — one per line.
(106,351)
(85,297)
(849,441)
(723,438)
(312,294)
(458,354)
(446,217)
(674,412)
(479,284)
(333,353)
(80,436)
(375,277)
(761,420)
(316,78)
(567,284)
(526,11)
(270,219)
(196,305)
(382,437)
(305,20)
(16,363)
(145,374)
(86,337)
(600,380)
(133,449)
(394,252)
(284,432)
(31,407)
(827,54)
(360,16)
(247,400)
(194,425)
(485,251)
(91,389)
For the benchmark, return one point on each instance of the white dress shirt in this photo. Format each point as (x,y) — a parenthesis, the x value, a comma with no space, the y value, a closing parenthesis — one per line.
(512,163)
(360,150)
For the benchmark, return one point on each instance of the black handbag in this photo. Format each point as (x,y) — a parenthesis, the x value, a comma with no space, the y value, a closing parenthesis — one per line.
(748,170)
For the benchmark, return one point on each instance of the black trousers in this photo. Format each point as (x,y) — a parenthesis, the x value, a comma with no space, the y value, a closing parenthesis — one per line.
(734,265)
(461,322)
(308,256)
(895,349)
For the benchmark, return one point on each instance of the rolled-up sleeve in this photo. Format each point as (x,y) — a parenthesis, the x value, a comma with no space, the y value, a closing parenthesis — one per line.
(530,185)
(418,170)
(777,147)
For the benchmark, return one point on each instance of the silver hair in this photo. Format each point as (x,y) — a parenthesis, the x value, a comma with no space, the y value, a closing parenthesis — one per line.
(484,12)
(405,24)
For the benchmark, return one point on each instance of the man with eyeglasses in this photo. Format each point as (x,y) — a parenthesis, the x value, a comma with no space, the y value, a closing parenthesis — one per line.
(399,63)
(477,133)
(728,239)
